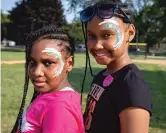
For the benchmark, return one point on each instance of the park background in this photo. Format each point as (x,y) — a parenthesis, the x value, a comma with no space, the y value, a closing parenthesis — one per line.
(147,50)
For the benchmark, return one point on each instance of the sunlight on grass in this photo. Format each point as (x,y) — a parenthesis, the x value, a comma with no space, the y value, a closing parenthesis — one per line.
(8,56)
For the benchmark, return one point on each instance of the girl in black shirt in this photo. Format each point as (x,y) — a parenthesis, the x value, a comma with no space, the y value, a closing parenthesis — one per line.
(119,100)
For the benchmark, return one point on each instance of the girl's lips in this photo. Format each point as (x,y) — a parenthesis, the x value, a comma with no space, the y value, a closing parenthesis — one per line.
(101,55)
(39,83)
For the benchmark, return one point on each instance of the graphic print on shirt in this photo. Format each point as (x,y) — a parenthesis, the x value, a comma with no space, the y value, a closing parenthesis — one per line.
(25,126)
(93,97)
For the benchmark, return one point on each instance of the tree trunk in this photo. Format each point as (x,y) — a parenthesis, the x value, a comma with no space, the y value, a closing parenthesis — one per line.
(147,50)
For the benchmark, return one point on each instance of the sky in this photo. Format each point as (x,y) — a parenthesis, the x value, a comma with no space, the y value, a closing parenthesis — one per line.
(9,4)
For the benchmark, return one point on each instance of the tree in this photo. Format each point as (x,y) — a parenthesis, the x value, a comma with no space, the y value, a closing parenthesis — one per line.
(75,30)
(149,20)
(30,15)
(4,18)
(162,6)
(4,22)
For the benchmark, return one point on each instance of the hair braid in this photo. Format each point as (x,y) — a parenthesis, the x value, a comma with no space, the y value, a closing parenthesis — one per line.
(51,32)
(19,116)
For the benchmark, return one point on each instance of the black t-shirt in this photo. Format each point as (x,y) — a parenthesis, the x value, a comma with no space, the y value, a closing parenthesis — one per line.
(112,93)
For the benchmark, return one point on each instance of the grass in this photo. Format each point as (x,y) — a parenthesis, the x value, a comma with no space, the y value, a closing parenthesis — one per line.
(13,78)
(9,56)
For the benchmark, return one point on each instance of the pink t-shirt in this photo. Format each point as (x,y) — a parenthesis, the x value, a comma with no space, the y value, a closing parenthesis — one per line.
(57,112)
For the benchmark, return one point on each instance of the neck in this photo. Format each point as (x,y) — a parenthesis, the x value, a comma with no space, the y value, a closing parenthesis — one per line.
(64,84)
(119,63)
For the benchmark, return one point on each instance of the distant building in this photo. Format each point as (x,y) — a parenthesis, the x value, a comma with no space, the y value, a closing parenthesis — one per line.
(81,48)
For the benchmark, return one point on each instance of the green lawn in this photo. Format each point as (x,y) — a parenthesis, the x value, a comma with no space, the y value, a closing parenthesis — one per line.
(8,56)
(12,80)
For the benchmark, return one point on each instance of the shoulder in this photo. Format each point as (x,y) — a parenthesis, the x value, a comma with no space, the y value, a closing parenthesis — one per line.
(66,96)
(99,75)
(133,80)
(130,75)
(133,90)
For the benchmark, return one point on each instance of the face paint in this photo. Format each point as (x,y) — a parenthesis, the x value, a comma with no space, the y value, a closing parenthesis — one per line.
(119,35)
(111,20)
(56,70)
(57,54)
(113,24)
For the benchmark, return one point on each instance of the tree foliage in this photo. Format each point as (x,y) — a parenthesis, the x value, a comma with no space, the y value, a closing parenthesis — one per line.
(75,30)
(4,22)
(150,24)
(30,15)
(4,18)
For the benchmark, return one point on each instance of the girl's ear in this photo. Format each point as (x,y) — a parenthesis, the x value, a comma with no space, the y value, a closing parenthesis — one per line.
(131,32)
(69,63)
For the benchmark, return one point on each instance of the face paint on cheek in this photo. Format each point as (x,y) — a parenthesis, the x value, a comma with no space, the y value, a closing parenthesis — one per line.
(119,35)
(56,71)
(56,54)
(113,24)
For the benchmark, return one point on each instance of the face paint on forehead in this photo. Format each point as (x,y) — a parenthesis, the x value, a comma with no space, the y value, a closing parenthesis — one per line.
(114,25)
(111,20)
(56,54)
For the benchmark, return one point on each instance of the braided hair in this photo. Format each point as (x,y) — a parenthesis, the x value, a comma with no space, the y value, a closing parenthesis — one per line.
(124,8)
(47,32)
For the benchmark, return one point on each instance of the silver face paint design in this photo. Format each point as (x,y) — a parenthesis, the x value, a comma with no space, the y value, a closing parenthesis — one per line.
(56,54)
(113,24)
(111,20)
(119,35)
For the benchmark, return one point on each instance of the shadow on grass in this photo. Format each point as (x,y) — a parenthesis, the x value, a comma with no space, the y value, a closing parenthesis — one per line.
(155,79)
(76,78)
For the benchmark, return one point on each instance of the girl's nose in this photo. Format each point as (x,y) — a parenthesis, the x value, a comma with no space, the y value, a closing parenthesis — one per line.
(38,71)
(98,44)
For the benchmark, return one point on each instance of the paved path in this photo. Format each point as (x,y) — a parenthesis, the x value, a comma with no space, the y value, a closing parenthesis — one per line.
(150,61)
(13,62)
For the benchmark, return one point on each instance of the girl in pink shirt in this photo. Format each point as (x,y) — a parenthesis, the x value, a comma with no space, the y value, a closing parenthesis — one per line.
(56,108)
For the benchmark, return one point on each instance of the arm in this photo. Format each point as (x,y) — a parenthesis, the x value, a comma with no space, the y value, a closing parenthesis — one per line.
(59,119)
(134,120)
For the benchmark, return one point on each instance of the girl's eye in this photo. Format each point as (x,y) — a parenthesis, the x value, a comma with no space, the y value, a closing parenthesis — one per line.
(107,35)
(32,63)
(48,63)
(91,36)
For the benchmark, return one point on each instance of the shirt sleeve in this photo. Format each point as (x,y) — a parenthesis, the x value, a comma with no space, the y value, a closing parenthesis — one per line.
(134,93)
(59,119)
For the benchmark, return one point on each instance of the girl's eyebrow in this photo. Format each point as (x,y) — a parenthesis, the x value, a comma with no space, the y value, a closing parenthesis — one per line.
(49,57)
(108,30)
(88,31)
